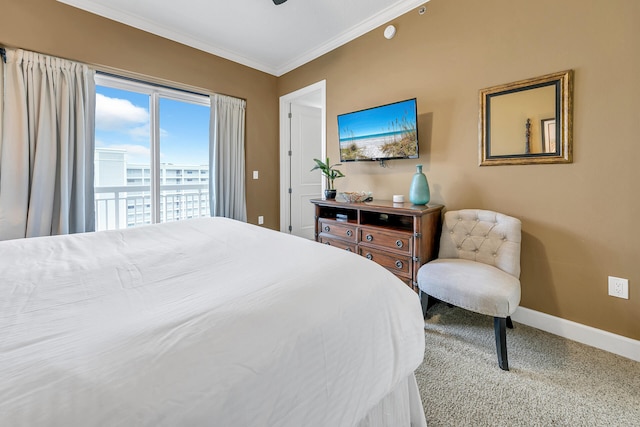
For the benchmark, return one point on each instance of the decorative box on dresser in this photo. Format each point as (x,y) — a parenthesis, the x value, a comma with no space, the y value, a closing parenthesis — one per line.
(399,236)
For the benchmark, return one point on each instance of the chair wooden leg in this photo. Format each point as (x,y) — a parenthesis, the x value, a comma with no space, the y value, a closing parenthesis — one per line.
(424,301)
(509,322)
(499,325)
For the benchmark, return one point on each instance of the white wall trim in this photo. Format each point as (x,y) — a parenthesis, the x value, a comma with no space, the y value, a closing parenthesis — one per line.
(382,17)
(285,100)
(617,344)
(277,69)
(144,24)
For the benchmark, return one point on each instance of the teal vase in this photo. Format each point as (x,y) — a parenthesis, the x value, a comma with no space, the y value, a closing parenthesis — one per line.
(419,193)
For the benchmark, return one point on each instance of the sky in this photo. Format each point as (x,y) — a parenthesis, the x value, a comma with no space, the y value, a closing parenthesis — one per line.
(122,122)
(374,120)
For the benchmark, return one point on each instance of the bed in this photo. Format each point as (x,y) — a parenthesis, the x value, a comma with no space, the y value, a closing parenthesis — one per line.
(204,322)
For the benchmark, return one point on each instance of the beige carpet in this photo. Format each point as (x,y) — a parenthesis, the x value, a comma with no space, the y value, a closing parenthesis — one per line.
(552,381)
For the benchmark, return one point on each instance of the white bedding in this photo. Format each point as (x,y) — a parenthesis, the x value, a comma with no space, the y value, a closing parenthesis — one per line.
(200,322)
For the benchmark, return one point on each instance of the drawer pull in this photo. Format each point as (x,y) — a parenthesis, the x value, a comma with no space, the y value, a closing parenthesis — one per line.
(348,249)
(349,233)
(399,243)
(398,264)
(369,237)
(327,228)
(369,256)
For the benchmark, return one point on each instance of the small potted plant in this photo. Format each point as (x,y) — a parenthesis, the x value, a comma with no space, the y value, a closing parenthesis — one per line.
(329,171)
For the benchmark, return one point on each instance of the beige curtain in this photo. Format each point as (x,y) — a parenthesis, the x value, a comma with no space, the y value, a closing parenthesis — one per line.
(2,59)
(46,160)
(226,160)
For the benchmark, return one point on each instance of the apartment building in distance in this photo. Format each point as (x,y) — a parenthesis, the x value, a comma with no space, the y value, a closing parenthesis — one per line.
(123,196)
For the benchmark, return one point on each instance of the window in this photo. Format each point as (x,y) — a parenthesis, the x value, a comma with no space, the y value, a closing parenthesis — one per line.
(151,155)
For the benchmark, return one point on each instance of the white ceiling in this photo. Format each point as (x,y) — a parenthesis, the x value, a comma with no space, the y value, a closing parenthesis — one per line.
(255,33)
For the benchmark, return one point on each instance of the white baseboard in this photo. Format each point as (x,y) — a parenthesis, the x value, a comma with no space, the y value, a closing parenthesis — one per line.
(617,344)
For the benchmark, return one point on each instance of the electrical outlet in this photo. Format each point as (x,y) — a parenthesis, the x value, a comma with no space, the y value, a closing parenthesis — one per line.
(619,287)
(260,220)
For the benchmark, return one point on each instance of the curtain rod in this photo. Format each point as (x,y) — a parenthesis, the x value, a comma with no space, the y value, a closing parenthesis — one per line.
(107,71)
(101,70)
(149,83)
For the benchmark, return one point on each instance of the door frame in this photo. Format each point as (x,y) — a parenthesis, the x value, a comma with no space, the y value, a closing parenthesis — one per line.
(285,135)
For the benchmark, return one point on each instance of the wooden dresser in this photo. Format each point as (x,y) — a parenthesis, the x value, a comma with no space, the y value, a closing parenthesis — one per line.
(399,236)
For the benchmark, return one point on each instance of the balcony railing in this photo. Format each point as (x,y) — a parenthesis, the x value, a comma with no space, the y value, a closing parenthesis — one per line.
(130,205)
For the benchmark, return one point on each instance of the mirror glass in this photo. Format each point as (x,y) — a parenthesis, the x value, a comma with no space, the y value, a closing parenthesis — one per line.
(526,122)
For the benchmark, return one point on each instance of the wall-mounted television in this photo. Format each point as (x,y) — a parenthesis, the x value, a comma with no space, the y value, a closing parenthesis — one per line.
(380,133)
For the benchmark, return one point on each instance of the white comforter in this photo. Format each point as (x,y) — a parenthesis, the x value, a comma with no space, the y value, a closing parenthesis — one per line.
(201,322)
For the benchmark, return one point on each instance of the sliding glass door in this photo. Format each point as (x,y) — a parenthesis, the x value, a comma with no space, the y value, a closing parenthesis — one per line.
(152,154)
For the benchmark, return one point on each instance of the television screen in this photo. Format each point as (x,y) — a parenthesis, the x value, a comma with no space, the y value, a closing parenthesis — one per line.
(386,132)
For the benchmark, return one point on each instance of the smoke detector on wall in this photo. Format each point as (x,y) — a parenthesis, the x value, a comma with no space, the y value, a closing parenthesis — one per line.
(389,32)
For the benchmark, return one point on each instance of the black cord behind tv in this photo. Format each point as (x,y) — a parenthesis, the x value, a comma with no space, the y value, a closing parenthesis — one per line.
(380,133)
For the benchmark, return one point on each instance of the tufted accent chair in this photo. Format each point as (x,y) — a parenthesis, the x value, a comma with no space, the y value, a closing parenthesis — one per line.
(478,269)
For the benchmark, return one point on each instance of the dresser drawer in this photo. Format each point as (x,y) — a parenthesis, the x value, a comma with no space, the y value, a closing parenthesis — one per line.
(406,280)
(398,236)
(398,242)
(339,230)
(398,264)
(347,246)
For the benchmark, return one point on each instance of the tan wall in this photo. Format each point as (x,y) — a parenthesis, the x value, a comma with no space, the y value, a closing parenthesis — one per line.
(54,28)
(579,219)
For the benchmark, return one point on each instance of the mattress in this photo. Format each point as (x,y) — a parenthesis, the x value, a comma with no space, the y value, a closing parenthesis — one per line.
(207,321)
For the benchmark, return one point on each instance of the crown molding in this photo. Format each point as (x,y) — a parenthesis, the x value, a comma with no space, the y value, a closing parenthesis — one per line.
(142,23)
(353,33)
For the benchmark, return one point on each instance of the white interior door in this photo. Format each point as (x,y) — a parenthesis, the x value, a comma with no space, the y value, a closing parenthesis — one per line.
(305,185)
(302,138)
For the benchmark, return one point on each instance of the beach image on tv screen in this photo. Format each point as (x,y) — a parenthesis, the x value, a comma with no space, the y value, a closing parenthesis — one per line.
(385,132)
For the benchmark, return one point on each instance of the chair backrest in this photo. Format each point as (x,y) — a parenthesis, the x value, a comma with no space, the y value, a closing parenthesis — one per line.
(482,236)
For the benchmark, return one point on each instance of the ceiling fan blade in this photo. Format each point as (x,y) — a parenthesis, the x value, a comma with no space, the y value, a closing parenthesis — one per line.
(279,1)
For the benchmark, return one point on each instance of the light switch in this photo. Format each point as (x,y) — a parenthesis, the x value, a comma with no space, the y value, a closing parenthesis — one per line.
(255,174)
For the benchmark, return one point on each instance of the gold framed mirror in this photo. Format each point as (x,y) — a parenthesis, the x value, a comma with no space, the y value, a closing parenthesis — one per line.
(528,121)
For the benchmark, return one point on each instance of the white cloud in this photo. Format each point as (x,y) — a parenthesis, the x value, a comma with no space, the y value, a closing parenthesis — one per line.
(143,133)
(119,114)
(139,132)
